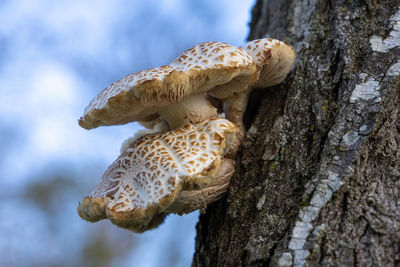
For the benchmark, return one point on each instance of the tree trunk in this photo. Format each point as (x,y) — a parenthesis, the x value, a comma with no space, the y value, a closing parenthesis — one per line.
(317,179)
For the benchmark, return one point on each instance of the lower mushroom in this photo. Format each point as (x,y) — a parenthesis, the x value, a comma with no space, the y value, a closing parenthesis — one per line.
(150,175)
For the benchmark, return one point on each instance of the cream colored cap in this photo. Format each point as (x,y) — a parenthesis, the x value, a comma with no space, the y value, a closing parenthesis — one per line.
(273,59)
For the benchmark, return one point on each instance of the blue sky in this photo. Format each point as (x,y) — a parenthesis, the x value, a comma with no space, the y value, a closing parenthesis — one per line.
(55,56)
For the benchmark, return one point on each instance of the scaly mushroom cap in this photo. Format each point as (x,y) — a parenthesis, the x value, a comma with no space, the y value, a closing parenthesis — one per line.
(141,96)
(273,59)
(148,177)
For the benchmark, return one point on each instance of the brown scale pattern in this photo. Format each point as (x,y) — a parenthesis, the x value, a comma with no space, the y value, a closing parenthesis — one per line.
(211,55)
(273,60)
(260,50)
(153,166)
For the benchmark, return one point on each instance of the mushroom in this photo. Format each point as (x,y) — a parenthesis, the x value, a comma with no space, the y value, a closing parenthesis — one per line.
(140,187)
(273,60)
(177,92)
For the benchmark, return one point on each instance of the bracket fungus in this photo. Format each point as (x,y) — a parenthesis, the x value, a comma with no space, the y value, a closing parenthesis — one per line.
(149,176)
(185,159)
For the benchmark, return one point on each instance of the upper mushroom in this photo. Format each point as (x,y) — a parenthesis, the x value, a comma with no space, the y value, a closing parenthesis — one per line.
(149,176)
(176,92)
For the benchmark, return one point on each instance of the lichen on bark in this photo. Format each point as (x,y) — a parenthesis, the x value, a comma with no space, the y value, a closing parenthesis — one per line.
(317,179)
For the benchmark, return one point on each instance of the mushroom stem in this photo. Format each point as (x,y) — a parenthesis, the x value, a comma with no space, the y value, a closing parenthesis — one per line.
(192,109)
(234,108)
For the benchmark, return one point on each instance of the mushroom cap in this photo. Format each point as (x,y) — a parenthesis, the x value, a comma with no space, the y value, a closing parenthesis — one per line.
(150,174)
(139,96)
(273,59)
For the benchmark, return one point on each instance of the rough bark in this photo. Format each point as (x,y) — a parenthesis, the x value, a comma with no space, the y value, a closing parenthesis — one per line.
(317,179)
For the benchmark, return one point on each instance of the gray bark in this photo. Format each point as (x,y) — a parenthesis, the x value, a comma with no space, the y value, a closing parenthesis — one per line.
(317,178)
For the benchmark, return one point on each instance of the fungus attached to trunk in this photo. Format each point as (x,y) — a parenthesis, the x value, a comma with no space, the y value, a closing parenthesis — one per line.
(149,176)
(185,159)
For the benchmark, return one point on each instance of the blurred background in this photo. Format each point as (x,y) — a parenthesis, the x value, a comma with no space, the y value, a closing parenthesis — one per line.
(55,56)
